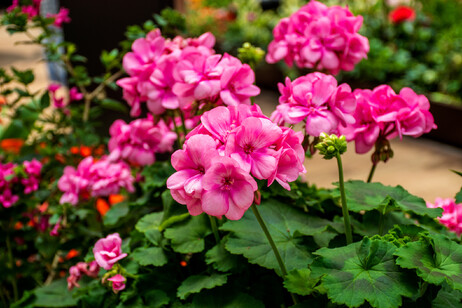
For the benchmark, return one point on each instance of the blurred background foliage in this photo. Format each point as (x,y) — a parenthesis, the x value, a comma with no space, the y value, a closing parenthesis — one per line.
(424,53)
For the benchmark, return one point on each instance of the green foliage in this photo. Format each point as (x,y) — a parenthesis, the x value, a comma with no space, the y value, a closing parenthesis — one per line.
(435,258)
(300,282)
(196,283)
(189,237)
(364,271)
(150,256)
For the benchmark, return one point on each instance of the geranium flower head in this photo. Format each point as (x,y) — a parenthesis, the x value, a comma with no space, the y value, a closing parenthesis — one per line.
(108,251)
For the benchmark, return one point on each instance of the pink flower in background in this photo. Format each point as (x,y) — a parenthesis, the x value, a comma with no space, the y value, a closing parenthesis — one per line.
(77,271)
(452,213)
(75,95)
(318,101)
(228,189)
(183,74)
(118,283)
(383,114)
(138,141)
(55,230)
(61,17)
(222,155)
(108,251)
(32,169)
(98,178)
(107,178)
(320,37)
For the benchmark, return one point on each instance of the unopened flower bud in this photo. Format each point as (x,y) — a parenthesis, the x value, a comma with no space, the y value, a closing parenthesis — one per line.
(250,54)
(330,146)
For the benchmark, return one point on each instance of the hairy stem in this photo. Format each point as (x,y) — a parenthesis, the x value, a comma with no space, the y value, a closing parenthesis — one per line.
(272,244)
(346,215)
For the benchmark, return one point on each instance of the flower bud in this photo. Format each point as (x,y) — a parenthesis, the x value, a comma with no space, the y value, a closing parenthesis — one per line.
(330,146)
(250,54)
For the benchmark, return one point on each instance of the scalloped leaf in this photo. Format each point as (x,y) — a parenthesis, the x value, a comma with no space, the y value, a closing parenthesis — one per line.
(196,283)
(189,237)
(363,271)
(301,282)
(362,196)
(285,224)
(149,256)
(436,259)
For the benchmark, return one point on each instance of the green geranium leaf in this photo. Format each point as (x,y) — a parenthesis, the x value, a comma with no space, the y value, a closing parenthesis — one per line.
(54,295)
(150,256)
(436,259)
(116,212)
(157,298)
(300,282)
(196,283)
(285,224)
(156,175)
(223,297)
(221,259)
(154,236)
(447,298)
(459,196)
(363,271)
(189,237)
(149,222)
(363,196)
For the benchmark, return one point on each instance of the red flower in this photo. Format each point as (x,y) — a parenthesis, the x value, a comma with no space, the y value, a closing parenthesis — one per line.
(401,13)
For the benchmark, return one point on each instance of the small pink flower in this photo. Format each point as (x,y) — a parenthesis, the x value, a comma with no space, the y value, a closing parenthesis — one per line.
(54,231)
(61,17)
(229,190)
(118,283)
(452,214)
(75,95)
(32,169)
(108,251)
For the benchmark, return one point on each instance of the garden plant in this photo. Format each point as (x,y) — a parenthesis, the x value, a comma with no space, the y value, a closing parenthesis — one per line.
(200,200)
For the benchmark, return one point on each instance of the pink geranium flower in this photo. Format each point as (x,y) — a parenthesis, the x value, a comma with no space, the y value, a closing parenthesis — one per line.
(118,283)
(318,101)
(229,190)
(452,213)
(108,251)
(321,37)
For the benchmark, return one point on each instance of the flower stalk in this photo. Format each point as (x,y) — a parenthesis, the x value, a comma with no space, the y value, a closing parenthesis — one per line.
(213,224)
(272,244)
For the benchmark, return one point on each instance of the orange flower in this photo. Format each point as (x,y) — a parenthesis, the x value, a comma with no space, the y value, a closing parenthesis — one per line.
(75,150)
(2,100)
(59,157)
(85,151)
(102,206)
(72,254)
(12,145)
(113,199)
(18,225)
(99,151)
(43,207)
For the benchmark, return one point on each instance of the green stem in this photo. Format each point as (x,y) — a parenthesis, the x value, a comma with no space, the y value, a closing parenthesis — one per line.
(381,223)
(2,296)
(183,122)
(10,258)
(346,215)
(213,224)
(272,244)
(371,173)
(177,131)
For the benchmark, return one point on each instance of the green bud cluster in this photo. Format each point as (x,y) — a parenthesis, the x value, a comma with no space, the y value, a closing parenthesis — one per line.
(330,146)
(250,54)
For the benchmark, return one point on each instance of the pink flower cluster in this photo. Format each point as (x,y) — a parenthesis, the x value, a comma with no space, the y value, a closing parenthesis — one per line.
(96,178)
(138,141)
(77,271)
(108,251)
(220,158)
(9,178)
(32,9)
(318,101)
(452,214)
(320,37)
(172,74)
(381,113)
(58,102)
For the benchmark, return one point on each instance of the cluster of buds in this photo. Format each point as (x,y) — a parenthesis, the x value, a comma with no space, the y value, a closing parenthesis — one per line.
(331,146)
